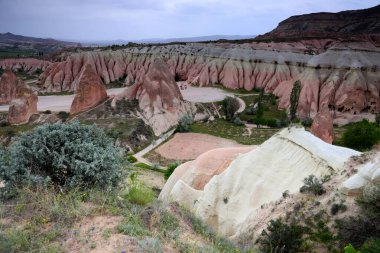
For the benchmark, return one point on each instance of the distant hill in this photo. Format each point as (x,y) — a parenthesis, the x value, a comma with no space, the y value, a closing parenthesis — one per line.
(170,40)
(356,24)
(12,45)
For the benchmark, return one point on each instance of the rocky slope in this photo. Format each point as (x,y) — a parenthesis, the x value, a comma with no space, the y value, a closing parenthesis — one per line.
(159,98)
(356,24)
(230,200)
(340,76)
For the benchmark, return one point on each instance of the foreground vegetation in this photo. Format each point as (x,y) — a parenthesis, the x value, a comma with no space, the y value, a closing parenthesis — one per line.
(60,178)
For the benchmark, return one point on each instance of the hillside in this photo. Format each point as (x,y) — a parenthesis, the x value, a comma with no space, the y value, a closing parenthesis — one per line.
(356,24)
(12,45)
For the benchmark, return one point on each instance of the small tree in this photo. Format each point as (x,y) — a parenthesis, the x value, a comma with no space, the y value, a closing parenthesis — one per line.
(294,97)
(260,108)
(361,136)
(184,124)
(230,107)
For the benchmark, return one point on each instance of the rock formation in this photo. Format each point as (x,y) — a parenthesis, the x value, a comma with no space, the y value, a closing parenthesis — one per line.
(9,86)
(322,126)
(328,70)
(22,107)
(30,65)
(357,24)
(368,173)
(197,173)
(90,90)
(230,200)
(159,98)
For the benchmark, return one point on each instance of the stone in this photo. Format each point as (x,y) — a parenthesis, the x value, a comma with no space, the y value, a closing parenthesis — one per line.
(159,97)
(230,200)
(9,84)
(22,107)
(90,91)
(322,126)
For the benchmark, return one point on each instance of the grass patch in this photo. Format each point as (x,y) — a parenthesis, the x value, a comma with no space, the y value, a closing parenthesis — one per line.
(228,130)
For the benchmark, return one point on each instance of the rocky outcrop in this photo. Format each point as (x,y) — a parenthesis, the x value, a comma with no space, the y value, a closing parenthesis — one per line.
(90,90)
(341,76)
(9,85)
(357,24)
(231,199)
(198,173)
(22,107)
(159,98)
(367,174)
(30,65)
(322,126)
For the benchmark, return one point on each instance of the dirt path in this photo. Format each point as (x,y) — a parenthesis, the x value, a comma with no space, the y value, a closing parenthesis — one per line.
(139,155)
(59,103)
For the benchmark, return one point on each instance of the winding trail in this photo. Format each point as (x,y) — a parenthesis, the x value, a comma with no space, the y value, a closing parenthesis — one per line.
(139,155)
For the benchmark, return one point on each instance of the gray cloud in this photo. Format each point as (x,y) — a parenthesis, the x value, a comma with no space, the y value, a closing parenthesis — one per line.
(116,19)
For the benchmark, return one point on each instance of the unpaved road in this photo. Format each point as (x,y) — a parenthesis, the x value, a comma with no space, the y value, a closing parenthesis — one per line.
(59,103)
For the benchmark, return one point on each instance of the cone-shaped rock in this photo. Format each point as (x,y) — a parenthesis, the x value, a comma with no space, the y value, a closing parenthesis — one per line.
(9,84)
(90,90)
(22,107)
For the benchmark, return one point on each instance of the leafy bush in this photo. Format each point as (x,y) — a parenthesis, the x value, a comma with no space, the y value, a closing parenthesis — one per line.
(63,115)
(377,119)
(230,107)
(47,112)
(131,159)
(312,185)
(281,237)
(238,121)
(350,249)
(371,246)
(335,208)
(185,123)
(67,155)
(361,136)
(306,122)
(169,171)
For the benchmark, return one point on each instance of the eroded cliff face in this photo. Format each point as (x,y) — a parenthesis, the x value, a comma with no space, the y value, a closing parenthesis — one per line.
(341,76)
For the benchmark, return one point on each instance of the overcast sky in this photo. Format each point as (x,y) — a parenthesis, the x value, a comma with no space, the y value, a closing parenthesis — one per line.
(140,19)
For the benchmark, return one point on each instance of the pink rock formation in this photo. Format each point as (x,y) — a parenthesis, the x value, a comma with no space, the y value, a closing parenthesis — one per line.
(322,126)
(160,99)
(26,64)
(198,173)
(22,107)
(9,84)
(90,90)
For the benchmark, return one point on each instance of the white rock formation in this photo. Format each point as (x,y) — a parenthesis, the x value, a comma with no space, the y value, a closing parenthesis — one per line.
(229,200)
(367,173)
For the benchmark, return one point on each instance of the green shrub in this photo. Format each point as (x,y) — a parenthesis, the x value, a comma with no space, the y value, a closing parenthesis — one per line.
(238,121)
(138,193)
(66,155)
(306,122)
(185,123)
(169,171)
(312,185)
(371,246)
(281,237)
(63,115)
(131,159)
(230,107)
(350,249)
(143,166)
(47,112)
(361,136)
(294,97)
